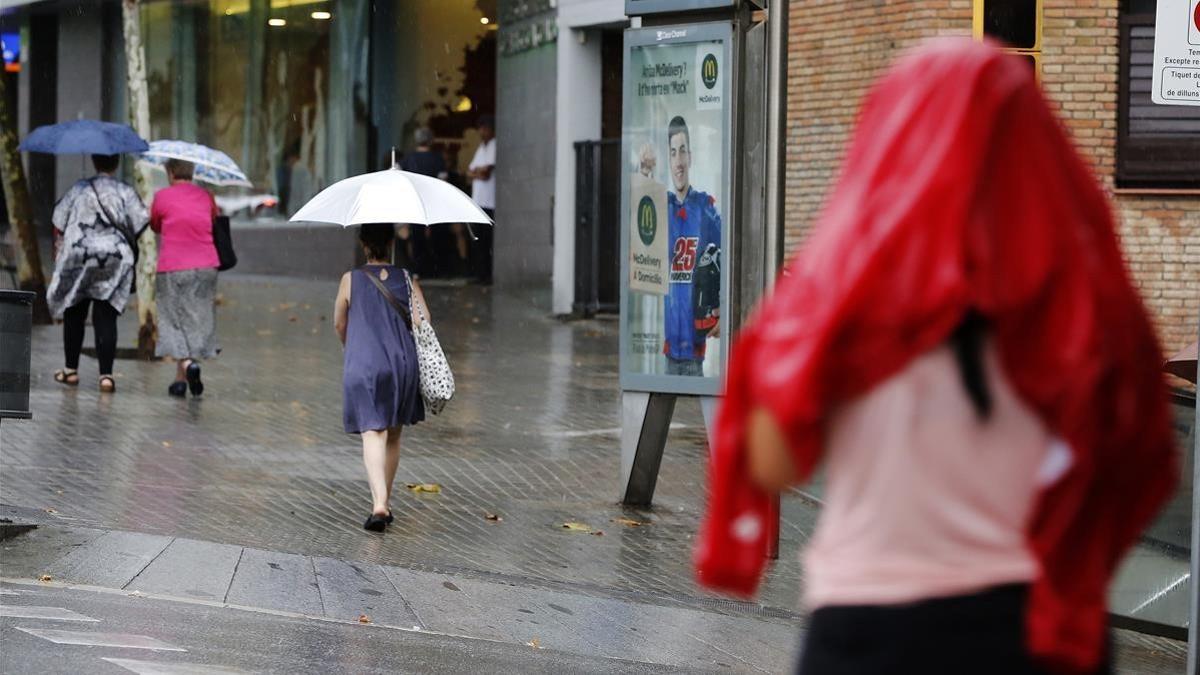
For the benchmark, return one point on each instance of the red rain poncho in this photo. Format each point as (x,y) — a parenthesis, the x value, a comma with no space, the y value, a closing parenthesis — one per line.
(960,190)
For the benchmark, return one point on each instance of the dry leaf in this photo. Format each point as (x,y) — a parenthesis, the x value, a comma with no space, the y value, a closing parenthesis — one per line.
(535,643)
(597,533)
(431,488)
(293,318)
(44,578)
(577,527)
(628,522)
(363,618)
(493,517)
(166,444)
(51,511)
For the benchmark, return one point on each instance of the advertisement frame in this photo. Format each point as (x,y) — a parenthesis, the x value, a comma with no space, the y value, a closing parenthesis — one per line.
(680,34)
(645,7)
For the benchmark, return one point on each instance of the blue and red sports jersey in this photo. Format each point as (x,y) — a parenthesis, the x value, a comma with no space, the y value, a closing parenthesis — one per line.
(691,227)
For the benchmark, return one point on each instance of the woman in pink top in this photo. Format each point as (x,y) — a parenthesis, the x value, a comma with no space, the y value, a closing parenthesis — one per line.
(182,215)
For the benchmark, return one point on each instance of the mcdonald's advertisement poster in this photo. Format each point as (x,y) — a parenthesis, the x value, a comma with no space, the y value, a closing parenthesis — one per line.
(677,191)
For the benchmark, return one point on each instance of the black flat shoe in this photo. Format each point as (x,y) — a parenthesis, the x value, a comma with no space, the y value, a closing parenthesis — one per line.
(193,379)
(390,518)
(375,523)
(177,389)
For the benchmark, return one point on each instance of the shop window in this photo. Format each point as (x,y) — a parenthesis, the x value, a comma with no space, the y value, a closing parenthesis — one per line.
(1158,146)
(1016,24)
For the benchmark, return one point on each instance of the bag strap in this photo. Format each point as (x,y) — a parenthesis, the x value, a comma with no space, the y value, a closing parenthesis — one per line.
(121,227)
(391,298)
(412,301)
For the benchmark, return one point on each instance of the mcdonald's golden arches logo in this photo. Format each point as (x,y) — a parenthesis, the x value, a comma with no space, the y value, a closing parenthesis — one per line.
(708,71)
(647,220)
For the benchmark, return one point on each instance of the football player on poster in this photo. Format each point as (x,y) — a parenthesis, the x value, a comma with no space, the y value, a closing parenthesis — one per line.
(693,305)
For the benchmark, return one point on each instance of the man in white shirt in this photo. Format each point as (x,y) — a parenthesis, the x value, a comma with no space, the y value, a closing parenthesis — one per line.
(481,171)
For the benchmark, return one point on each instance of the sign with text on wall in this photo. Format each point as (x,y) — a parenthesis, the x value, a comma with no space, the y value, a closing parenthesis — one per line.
(676,187)
(1177,53)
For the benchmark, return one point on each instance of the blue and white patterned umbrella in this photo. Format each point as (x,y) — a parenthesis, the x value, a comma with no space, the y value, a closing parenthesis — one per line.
(212,166)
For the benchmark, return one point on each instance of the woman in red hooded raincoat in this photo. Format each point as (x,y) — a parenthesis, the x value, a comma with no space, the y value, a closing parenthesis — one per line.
(960,344)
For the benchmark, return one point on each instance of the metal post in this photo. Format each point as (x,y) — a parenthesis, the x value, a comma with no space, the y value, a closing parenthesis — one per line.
(1194,613)
(777,22)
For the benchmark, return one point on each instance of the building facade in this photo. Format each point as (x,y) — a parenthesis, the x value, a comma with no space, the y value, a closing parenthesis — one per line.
(1094,58)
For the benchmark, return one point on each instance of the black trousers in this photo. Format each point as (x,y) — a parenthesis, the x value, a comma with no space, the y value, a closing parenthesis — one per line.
(104,325)
(981,634)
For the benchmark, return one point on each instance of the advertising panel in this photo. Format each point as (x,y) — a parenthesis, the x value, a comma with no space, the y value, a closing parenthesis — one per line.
(675,195)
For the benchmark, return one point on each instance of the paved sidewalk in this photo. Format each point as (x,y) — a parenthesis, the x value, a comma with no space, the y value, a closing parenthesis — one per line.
(261,459)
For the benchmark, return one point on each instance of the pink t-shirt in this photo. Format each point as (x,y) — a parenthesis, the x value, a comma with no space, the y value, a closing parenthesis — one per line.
(923,499)
(183,215)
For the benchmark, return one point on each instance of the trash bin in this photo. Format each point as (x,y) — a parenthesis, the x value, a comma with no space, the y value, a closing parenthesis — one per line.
(16,327)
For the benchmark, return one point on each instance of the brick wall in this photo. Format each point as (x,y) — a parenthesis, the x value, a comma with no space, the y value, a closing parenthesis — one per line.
(836,47)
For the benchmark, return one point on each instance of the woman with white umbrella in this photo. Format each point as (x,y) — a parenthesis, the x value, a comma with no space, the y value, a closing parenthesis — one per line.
(394,368)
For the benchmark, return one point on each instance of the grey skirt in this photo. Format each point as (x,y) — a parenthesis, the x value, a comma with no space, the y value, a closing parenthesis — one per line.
(187,314)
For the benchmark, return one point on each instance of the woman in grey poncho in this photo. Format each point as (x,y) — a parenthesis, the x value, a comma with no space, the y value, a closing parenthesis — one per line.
(97,223)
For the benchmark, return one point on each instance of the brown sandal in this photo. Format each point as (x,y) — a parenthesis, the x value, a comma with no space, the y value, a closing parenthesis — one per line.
(66,377)
(107,384)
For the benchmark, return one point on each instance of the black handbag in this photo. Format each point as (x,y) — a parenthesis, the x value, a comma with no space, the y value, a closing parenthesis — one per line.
(223,240)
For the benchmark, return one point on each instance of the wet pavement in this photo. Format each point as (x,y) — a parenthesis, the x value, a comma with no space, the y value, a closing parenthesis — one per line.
(261,459)
(260,466)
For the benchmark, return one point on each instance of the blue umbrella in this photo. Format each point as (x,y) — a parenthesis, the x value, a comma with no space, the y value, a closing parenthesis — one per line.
(84,137)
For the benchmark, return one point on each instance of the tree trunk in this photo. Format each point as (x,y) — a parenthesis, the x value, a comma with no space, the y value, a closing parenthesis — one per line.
(16,194)
(139,117)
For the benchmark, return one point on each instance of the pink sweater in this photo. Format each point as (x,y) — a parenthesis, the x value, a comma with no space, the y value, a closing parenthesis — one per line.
(923,499)
(183,215)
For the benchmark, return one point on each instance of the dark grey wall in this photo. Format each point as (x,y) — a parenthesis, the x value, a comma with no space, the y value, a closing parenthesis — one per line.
(525,121)
(81,76)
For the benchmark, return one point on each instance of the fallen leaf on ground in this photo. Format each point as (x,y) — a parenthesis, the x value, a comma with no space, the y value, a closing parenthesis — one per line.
(166,444)
(629,522)
(577,527)
(432,488)
(51,511)
(363,618)
(598,533)
(493,517)
(293,318)
(535,643)
(45,577)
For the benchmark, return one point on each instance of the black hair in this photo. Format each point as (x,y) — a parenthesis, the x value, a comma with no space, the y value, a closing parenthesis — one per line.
(968,341)
(486,121)
(377,239)
(678,126)
(106,163)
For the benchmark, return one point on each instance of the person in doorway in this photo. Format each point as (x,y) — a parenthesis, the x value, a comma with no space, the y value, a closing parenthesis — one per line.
(420,243)
(692,305)
(186,285)
(381,394)
(96,226)
(482,172)
(960,342)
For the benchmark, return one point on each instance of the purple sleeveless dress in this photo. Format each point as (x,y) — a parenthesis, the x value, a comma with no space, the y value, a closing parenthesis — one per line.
(380,381)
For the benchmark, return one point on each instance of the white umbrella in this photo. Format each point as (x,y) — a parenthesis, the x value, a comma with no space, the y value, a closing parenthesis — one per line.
(391,196)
